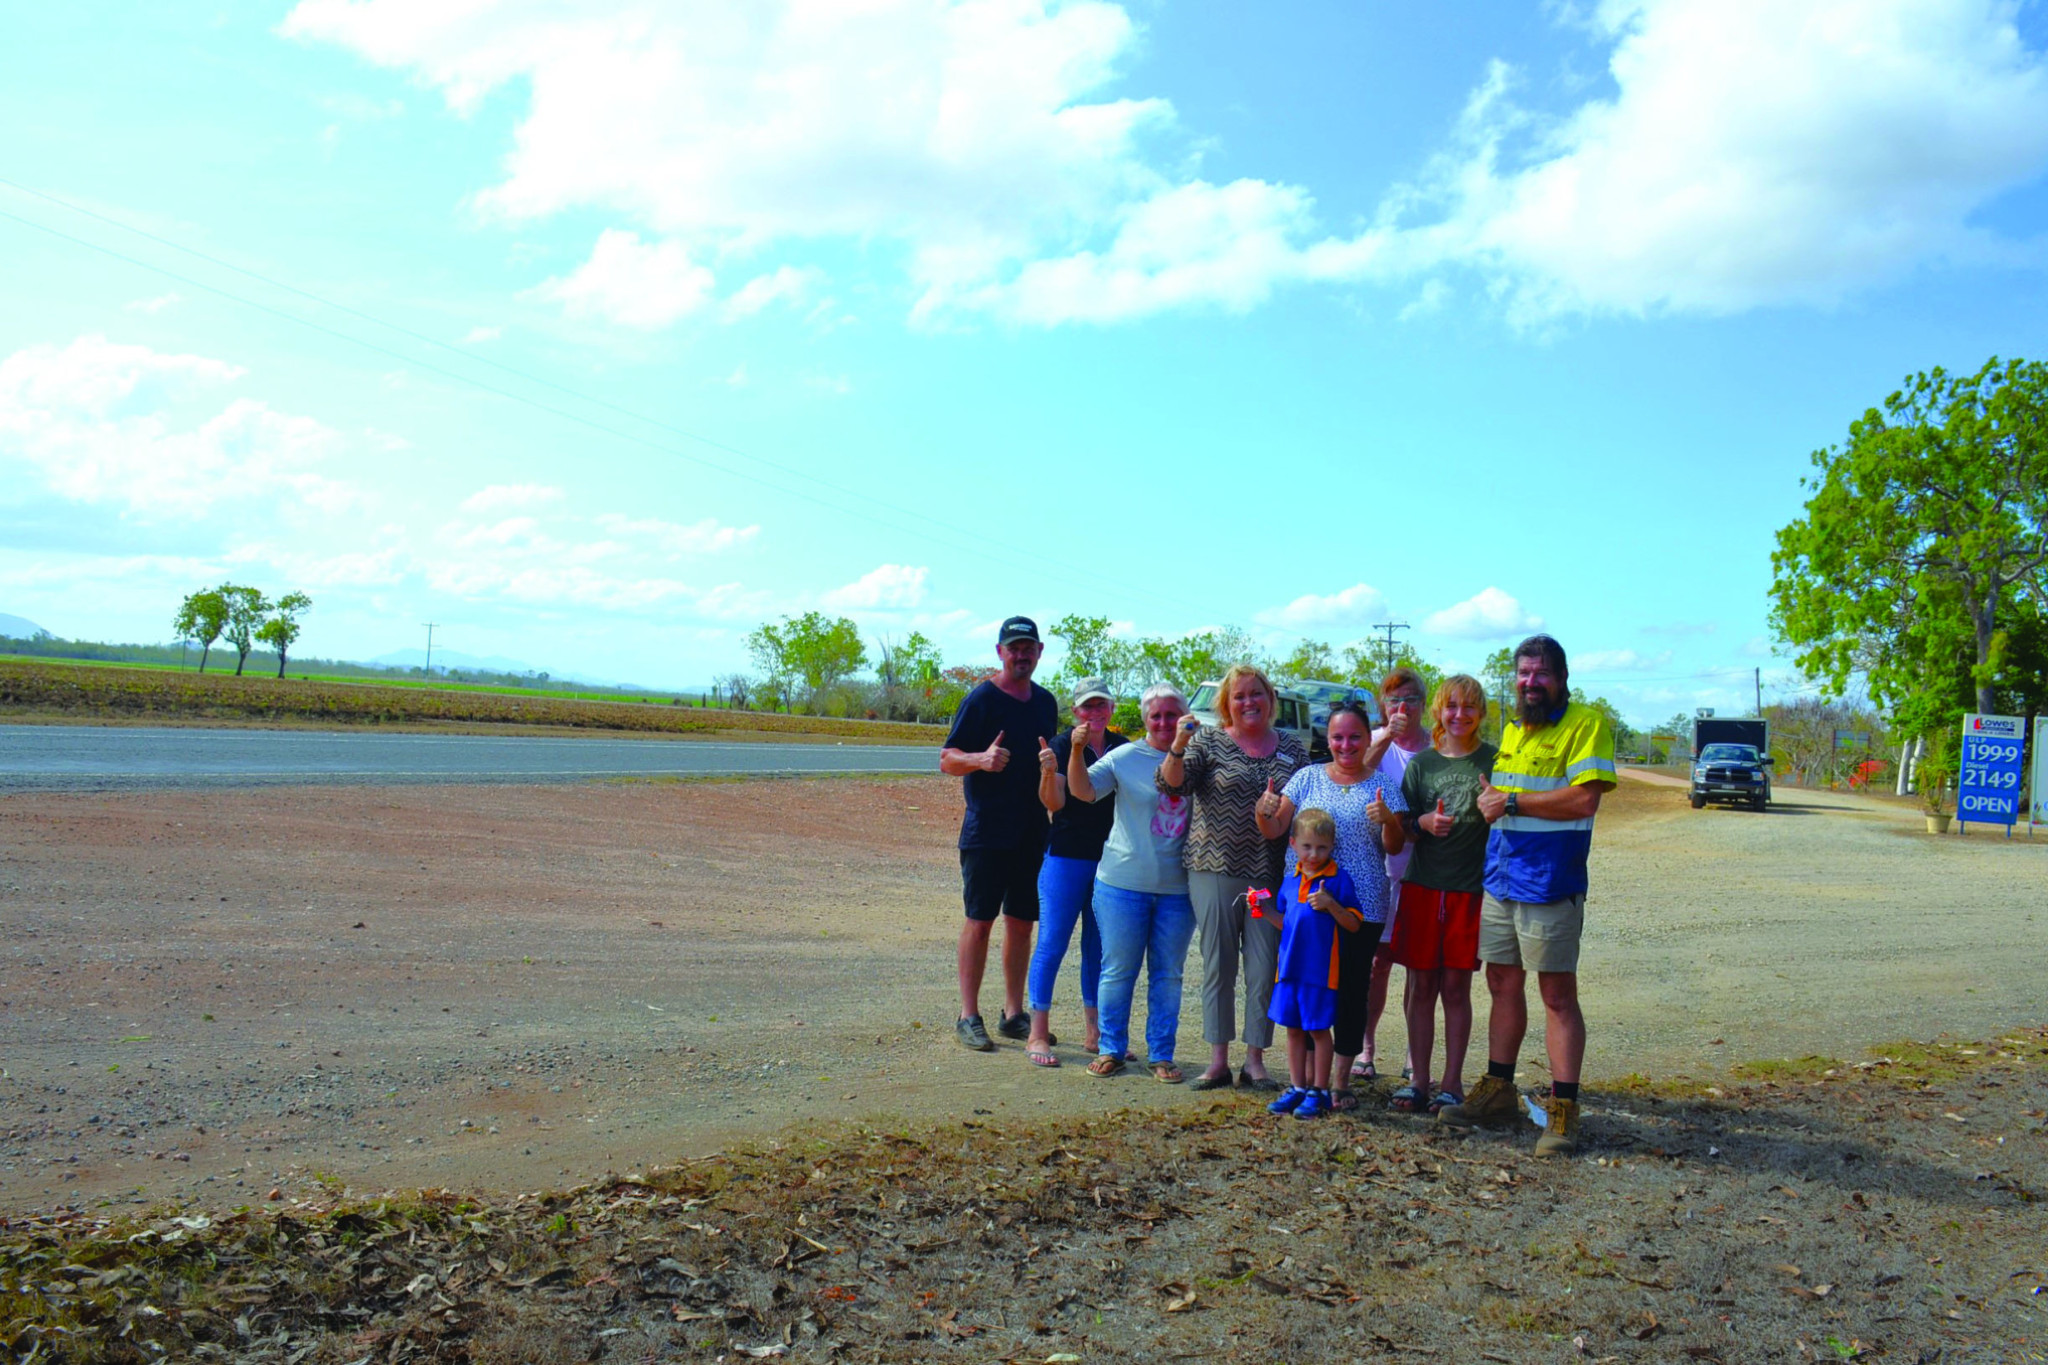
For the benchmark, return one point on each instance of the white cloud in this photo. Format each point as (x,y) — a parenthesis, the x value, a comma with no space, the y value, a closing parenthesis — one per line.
(886,585)
(831,385)
(501,497)
(106,424)
(1354,608)
(785,284)
(1752,153)
(506,545)
(1748,153)
(1195,245)
(478,335)
(1487,615)
(647,287)
(700,537)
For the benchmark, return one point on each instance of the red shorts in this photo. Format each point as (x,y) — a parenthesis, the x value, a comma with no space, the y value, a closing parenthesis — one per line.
(1436,929)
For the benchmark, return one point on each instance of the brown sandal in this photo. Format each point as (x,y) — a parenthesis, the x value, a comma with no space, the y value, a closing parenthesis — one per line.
(1106,1065)
(1167,1073)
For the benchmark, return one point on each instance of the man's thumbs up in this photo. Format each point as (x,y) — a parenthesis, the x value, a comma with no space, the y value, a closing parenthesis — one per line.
(1493,803)
(1047,759)
(996,758)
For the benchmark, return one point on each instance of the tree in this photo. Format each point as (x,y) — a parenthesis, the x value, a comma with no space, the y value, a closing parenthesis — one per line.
(820,651)
(1311,659)
(1093,652)
(246,609)
(913,666)
(1192,660)
(282,629)
(202,617)
(1922,532)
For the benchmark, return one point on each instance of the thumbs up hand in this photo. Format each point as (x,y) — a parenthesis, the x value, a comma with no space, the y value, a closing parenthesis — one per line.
(1269,801)
(1084,735)
(1378,811)
(1493,803)
(1436,824)
(1047,760)
(995,757)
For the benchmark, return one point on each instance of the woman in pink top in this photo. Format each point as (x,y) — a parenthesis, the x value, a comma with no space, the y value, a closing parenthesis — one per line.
(1406,734)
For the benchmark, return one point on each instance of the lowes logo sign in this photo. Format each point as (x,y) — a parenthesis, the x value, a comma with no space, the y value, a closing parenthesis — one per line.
(1994,727)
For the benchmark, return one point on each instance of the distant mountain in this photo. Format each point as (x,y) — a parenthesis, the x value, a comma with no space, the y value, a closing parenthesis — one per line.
(481,663)
(16,627)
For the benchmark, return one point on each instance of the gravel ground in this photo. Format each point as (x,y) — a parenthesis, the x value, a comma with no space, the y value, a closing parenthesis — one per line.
(208,995)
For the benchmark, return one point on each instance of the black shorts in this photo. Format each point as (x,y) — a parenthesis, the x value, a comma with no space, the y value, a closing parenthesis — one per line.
(1001,881)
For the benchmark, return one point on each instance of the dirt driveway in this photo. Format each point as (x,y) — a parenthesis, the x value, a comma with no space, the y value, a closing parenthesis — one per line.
(208,995)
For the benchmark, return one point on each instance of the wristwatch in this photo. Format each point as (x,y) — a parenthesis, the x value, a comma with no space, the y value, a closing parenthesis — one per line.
(1514,803)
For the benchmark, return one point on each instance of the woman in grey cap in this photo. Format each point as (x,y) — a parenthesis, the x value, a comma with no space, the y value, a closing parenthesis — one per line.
(1066,879)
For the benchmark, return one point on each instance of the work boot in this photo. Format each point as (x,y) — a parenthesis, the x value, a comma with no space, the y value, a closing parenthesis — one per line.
(1561,1135)
(974,1034)
(1492,1104)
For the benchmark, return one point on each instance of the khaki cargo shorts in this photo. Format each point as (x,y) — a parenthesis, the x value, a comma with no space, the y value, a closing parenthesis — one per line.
(1537,936)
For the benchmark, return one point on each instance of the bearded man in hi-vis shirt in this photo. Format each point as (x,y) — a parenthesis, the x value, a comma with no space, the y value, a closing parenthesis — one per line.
(1556,761)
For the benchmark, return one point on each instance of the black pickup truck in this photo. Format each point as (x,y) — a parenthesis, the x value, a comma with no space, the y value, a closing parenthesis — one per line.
(1731,761)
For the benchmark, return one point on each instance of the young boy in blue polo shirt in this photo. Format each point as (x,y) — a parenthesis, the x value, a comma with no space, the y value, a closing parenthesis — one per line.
(1316,904)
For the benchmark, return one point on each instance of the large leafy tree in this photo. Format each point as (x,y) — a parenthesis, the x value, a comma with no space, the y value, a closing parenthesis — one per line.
(247,608)
(202,617)
(282,629)
(817,650)
(1923,533)
(1092,651)
(1311,660)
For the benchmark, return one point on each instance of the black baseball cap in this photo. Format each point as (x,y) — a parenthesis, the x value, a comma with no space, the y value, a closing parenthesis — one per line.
(1018,628)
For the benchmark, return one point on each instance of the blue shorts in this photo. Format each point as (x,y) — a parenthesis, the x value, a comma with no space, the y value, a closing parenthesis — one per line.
(1303,1005)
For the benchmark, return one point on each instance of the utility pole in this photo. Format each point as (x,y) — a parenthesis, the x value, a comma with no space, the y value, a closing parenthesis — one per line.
(1388,628)
(429,670)
(1759,690)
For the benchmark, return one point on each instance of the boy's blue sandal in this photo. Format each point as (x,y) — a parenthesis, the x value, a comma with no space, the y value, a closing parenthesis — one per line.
(1407,1100)
(1314,1105)
(1290,1100)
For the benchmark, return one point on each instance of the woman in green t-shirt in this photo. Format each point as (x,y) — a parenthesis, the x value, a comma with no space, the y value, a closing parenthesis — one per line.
(1436,932)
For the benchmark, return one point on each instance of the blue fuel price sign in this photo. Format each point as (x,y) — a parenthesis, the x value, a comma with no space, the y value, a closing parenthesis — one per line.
(1994,754)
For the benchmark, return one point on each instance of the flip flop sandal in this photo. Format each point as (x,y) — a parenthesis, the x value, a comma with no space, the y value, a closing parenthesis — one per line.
(1364,1071)
(1406,1100)
(1444,1100)
(1039,1058)
(1106,1066)
(1343,1101)
(1167,1073)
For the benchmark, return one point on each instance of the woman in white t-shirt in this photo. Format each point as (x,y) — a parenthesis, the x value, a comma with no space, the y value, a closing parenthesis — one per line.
(1406,734)
(1141,901)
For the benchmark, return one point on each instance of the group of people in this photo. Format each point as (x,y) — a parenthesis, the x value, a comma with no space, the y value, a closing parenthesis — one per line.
(1416,845)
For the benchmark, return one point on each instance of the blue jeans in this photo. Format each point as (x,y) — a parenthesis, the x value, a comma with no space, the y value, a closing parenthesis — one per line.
(1066,888)
(1142,926)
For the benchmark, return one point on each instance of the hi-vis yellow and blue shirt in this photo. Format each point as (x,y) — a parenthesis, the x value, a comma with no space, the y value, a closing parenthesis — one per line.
(1529,858)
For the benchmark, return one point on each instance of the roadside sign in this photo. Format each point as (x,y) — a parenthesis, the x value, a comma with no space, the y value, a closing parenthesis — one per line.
(1852,739)
(1993,761)
(2038,815)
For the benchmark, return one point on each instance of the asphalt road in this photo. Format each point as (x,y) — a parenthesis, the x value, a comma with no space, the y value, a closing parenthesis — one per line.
(79,758)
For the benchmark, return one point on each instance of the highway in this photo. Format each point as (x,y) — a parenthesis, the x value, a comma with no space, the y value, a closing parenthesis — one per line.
(96,758)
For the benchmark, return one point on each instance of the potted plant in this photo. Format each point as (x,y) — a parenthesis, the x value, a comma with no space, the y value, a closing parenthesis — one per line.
(1936,775)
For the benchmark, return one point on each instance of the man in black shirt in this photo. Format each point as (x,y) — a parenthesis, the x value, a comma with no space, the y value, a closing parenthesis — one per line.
(1003,833)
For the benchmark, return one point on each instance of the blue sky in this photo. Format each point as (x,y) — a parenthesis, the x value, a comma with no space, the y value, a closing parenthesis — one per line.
(1296,319)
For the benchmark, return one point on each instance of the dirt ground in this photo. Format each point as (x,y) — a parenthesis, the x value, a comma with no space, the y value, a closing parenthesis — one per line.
(208,995)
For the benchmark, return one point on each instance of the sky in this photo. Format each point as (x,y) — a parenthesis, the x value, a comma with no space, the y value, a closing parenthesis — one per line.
(600,333)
